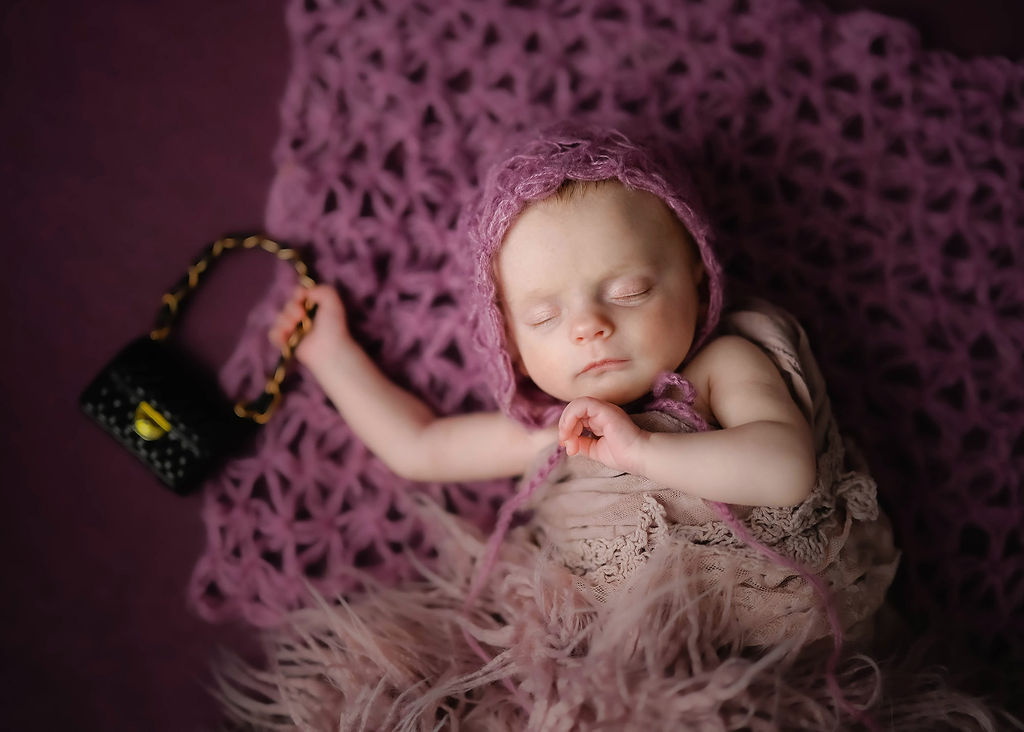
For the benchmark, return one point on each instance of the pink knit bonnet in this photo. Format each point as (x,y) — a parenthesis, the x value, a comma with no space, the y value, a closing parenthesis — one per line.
(533,172)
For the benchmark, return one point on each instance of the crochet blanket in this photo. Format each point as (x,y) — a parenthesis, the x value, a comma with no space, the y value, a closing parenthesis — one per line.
(871,188)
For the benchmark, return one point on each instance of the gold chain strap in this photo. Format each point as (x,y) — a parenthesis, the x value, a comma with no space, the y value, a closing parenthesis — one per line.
(262,407)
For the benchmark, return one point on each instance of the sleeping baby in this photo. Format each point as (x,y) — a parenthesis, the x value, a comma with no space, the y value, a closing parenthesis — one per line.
(695,521)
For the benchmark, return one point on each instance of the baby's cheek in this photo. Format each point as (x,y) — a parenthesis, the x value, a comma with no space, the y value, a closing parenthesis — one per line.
(538,368)
(673,331)
(547,372)
(534,361)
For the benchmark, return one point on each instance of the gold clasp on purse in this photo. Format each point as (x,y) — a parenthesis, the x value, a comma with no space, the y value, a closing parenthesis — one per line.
(150,424)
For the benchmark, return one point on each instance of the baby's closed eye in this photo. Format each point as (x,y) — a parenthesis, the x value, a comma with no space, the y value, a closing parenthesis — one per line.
(541,317)
(630,291)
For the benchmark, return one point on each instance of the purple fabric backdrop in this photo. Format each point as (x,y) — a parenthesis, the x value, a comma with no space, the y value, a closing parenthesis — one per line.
(131,134)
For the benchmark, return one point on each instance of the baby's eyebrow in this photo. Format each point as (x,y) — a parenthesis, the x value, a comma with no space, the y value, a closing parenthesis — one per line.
(535,296)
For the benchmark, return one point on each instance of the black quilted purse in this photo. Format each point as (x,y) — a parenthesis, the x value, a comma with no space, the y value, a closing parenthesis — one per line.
(164,409)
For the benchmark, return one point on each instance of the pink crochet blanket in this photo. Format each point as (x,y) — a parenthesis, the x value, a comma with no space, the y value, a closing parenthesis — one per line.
(869,187)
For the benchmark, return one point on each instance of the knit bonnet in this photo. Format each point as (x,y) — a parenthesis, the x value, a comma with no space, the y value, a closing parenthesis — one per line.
(534,171)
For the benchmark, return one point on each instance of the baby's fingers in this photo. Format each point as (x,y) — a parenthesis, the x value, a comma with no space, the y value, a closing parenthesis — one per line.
(569,426)
(572,426)
(578,415)
(571,445)
(286,321)
(280,332)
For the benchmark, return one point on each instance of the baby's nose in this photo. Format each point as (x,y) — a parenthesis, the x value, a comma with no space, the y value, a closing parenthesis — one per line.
(591,326)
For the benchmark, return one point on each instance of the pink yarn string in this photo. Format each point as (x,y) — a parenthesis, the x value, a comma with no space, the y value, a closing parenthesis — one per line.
(821,589)
(505,515)
(490,556)
(683,408)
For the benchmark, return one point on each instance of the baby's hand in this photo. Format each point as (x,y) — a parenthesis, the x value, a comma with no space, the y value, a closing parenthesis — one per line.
(330,328)
(613,437)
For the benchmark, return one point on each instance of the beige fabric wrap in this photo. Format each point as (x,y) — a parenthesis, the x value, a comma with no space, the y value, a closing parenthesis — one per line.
(603,525)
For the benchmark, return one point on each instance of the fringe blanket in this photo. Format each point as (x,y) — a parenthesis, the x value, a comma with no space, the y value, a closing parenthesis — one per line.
(620,605)
(665,652)
(871,188)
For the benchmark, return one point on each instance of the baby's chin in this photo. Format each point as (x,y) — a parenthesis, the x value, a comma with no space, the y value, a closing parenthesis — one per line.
(619,395)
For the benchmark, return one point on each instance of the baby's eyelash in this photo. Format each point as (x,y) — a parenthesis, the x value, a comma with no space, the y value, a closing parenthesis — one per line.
(631,296)
(541,320)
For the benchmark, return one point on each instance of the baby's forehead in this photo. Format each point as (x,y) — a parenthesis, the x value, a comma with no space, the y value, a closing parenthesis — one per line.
(599,233)
(607,199)
(595,208)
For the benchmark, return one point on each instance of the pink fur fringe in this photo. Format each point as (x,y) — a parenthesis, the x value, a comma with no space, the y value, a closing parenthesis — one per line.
(395,658)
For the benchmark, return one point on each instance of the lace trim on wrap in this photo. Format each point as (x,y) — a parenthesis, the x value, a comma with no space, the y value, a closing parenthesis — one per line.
(802,532)
(607,562)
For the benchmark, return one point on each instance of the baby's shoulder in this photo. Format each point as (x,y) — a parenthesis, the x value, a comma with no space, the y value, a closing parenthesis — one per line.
(730,373)
(726,350)
(728,357)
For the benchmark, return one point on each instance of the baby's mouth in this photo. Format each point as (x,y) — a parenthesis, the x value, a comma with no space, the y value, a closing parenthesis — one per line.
(605,364)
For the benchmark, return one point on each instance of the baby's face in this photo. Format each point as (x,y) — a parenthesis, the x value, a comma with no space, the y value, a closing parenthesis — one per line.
(600,293)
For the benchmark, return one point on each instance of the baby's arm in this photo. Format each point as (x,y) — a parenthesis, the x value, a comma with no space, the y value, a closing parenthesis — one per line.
(399,428)
(763,456)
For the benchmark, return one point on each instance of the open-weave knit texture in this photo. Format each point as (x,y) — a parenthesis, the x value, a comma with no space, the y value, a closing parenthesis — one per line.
(871,188)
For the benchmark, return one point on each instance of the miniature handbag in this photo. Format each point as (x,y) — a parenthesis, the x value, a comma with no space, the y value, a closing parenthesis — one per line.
(165,410)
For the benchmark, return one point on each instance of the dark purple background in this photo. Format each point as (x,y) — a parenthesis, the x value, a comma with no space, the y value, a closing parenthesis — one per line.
(131,135)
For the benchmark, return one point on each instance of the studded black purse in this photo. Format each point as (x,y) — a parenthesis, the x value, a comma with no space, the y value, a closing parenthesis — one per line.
(167,411)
